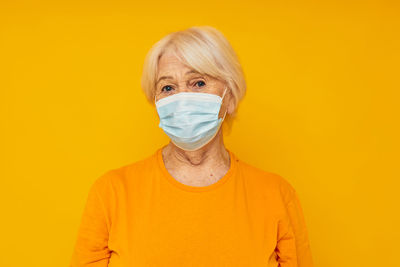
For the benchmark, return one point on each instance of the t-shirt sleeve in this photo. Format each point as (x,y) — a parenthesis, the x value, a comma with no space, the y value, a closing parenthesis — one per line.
(91,246)
(293,246)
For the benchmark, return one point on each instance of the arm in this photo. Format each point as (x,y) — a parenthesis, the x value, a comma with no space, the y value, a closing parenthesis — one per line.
(91,246)
(293,248)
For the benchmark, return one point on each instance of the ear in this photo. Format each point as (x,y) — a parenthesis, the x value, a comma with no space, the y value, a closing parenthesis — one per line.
(231,104)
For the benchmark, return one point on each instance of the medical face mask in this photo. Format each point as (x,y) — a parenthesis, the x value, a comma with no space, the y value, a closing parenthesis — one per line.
(190,119)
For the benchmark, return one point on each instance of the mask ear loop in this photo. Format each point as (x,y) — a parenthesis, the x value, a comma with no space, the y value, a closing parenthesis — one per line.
(223,95)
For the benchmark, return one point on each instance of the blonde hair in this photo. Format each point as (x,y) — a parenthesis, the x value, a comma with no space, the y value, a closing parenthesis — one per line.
(206,50)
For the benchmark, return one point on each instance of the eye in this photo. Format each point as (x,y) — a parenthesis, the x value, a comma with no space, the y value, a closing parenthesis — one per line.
(167,88)
(202,83)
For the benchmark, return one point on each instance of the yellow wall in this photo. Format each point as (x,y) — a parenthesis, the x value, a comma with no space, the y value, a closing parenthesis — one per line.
(322,110)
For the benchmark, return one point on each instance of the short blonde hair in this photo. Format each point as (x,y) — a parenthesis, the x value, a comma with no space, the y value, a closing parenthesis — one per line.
(203,48)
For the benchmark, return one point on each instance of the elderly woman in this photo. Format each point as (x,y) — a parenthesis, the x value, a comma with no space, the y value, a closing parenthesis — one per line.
(193,202)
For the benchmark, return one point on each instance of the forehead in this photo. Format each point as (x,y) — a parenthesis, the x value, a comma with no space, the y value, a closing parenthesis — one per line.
(170,65)
(169,61)
(167,56)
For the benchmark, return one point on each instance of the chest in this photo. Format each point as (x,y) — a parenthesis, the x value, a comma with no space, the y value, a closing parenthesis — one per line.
(164,229)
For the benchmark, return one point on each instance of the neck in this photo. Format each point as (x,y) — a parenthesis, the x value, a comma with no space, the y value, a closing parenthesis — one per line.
(212,154)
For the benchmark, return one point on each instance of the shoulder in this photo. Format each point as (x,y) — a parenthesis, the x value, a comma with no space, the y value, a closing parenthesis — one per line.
(270,182)
(118,178)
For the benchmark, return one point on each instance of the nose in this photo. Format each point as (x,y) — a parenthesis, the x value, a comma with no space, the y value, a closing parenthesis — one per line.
(179,88)
(182,87)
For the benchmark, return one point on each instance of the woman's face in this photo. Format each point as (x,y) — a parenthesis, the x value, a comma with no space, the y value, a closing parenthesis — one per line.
(174,77)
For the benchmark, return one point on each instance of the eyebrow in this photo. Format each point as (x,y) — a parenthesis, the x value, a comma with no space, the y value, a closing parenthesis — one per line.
(170,77)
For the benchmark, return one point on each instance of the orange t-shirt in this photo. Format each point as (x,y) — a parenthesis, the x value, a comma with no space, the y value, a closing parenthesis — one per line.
(139,215)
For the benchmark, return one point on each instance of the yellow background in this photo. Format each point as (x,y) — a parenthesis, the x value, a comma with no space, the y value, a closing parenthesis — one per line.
(322,110)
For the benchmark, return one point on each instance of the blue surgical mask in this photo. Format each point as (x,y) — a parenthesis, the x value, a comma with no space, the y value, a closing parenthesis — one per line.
(190,119)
